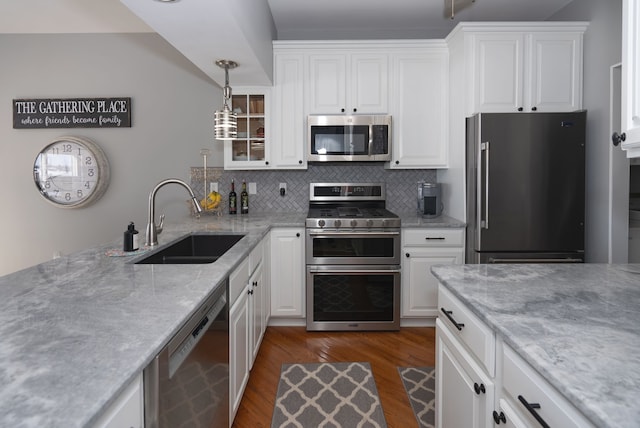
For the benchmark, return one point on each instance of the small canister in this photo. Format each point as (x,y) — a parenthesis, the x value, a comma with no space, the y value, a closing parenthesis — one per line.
(430,200)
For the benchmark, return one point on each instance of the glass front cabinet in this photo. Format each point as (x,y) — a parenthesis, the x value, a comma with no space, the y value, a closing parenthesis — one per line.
(250,149)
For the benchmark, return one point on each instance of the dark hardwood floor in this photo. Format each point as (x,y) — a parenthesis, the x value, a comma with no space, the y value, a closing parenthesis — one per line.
(385,351)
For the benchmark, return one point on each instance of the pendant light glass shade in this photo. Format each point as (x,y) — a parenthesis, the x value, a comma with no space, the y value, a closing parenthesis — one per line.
(225,120)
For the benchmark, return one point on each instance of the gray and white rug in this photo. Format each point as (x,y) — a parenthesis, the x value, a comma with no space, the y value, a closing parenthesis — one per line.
(327,395)
(420,384)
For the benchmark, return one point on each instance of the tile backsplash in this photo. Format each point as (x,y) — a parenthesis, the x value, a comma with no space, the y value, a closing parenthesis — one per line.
(401,184)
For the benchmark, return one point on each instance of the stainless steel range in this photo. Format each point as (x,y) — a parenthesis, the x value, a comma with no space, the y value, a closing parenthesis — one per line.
(353,258)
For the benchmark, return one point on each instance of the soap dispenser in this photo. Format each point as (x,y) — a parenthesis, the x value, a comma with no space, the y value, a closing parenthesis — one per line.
(131,238)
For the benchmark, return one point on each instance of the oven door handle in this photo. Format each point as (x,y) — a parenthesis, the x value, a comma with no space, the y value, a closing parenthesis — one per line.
(346,234)
(348,269)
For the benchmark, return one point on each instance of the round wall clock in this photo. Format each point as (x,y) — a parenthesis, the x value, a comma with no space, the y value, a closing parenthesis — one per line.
(71,172)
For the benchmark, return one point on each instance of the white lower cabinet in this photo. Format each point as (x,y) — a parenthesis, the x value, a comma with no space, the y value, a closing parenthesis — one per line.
(239,319)
(248,318)
(465,393)
(421,249)
(533,400)
(482,382)
(127,410)
(287,273)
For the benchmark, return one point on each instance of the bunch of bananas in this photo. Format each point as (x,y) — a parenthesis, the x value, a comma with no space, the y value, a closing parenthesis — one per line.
(211,201)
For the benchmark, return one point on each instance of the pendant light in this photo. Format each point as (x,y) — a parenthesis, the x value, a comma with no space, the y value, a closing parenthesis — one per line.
(451,5)
(226,121)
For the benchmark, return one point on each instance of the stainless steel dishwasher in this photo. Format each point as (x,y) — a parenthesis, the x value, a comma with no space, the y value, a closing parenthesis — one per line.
(187,383)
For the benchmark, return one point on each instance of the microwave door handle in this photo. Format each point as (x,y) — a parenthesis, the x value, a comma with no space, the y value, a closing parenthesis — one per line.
(370,140)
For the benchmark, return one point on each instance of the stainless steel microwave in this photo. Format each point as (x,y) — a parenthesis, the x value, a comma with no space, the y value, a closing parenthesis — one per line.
(349,138)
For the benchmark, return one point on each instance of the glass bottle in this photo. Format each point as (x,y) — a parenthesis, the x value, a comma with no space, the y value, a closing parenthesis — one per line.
(244,199)
(233,203)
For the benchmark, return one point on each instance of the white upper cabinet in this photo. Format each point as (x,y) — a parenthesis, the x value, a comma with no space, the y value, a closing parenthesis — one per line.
(349,82)
(528,67)
(288,148)
(420,107)
(631,78)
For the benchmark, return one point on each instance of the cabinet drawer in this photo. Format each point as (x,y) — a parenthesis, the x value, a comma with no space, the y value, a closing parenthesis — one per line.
(433,237)
(255,257)
(238,280)
(472,332)
(520,380)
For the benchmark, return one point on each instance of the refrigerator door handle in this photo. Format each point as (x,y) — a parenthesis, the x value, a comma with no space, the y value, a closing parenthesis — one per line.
(484,147)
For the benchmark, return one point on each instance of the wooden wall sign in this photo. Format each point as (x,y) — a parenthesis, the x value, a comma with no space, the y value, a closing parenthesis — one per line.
(72,113)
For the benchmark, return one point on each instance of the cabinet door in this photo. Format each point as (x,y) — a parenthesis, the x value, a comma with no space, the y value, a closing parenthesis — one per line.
(250,149)
(419,286)
(287,272)
(555,72)
(631,77)
(257,327)
(127,410)
(464,393)
(368,86)
(288,143)
(326,86)
(420,110)
(238,351)
(498,72)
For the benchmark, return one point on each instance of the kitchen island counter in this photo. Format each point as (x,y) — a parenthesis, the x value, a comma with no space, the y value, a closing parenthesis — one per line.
(576,325)
(75,331)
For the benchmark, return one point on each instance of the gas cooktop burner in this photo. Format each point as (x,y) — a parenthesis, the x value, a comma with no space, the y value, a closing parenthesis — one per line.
(349,206)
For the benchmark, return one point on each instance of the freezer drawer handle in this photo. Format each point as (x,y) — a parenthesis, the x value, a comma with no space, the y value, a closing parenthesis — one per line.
(550,260)
(531,407)
(455,323)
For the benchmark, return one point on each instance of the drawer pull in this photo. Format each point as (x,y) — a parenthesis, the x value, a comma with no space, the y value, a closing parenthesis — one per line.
(448,314)
(479,388)
(531,407)
(499,417)
(435,238)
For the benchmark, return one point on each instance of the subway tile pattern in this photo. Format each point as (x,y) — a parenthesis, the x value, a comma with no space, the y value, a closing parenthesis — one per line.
(401,184)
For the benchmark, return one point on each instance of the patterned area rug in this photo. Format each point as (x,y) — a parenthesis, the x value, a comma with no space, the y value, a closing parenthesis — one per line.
(327,395)
(420,384)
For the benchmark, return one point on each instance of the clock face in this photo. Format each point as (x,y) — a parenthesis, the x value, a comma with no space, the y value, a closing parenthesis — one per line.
(71,172)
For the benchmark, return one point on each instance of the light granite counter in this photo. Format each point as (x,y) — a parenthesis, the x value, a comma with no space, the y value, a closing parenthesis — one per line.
(76,330)
(577,325)
(413,220)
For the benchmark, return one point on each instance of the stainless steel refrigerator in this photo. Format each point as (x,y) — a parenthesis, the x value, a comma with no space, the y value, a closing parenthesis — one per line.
(525,187)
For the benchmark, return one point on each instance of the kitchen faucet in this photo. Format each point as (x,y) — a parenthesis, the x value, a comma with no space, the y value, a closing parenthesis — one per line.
(152,230)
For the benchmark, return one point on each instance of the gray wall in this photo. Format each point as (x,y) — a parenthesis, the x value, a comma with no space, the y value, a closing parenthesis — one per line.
(172,109)
(602,49)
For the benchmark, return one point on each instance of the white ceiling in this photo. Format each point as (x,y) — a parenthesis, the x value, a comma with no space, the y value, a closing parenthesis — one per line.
(242,30)
(395,19)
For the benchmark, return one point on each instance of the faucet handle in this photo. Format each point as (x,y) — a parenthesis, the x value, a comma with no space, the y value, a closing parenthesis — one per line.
(159,226)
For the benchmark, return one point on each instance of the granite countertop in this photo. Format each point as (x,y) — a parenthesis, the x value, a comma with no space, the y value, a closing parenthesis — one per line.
(413,220)
(76,330)
(577,325)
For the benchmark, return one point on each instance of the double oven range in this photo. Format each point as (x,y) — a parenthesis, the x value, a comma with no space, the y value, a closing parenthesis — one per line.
(352,258)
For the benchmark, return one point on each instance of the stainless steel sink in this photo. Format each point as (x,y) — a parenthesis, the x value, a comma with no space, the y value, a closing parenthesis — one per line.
(193,249)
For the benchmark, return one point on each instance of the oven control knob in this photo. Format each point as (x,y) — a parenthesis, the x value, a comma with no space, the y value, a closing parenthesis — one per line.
(369,223)
(321,223)
(354,223)
(337,223)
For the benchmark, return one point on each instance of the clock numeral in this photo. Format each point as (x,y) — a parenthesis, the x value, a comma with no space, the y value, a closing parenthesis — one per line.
(88,160)
(67,196)
(67,148)
(79,193)
(87,185)
(91,172)
(47,184)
